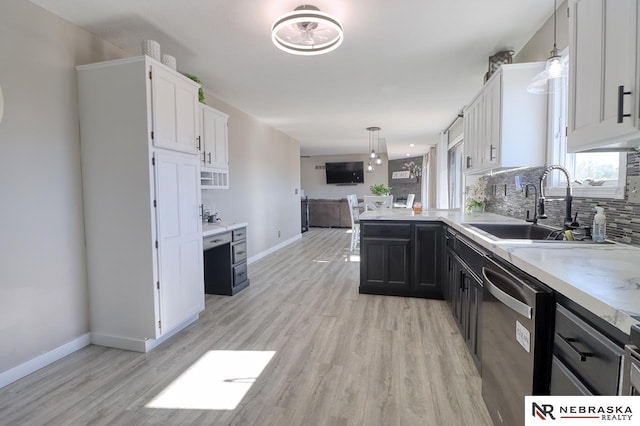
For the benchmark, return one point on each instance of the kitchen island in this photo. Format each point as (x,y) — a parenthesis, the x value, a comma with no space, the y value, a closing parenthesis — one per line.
(603,279)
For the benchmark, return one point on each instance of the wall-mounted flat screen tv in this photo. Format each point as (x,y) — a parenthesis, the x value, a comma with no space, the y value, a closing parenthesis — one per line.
(346,172)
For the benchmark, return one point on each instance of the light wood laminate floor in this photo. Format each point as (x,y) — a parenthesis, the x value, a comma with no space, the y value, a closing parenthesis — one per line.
(341,358)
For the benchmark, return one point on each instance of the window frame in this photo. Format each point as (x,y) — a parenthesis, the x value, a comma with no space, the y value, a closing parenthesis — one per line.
(558,104)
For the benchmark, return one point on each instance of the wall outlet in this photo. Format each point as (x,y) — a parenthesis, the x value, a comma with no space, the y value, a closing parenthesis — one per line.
(278,234)
(634,190)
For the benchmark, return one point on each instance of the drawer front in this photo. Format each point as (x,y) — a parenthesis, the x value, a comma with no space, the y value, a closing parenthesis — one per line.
(564,382)
(390,230)
(239,273)
(472,256)
(216,240)
(589,354)
(239,252)
(239,234)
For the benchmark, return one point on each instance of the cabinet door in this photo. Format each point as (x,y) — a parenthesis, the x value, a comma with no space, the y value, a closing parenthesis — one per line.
(472,135)
(215,138)
(473,337)
(428,259)
(174,111)
(604,50)
(492,106)
(179,234)
(385,262)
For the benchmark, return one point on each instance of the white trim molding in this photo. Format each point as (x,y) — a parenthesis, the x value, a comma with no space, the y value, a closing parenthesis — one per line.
(273,249)
(41,361)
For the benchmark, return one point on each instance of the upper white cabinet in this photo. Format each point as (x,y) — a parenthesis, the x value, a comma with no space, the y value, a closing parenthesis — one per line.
(175,110)
(141,198)
(505,124)
(604,78)
(214,148)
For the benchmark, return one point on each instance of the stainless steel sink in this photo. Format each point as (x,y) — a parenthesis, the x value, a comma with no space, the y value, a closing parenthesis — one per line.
(517,231)
(526,231)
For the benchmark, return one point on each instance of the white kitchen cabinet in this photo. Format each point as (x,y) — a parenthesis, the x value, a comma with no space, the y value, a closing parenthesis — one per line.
(214,148)
(473,127)
(175,110)
(505,124)
(603,75)
(141,205)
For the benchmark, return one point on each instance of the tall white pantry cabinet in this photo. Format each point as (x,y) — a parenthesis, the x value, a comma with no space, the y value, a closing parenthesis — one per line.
(139,127)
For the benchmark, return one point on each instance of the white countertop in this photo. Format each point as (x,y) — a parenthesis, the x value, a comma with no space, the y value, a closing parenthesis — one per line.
(210,228)
(605,279)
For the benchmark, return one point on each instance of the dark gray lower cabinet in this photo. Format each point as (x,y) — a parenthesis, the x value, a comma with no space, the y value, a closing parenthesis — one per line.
(401,259)
(464,291)
(428,255)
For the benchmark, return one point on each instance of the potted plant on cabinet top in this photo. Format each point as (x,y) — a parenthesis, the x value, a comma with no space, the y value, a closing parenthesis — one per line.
(380,189)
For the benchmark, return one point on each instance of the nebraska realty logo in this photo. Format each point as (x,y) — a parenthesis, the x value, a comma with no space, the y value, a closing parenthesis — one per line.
(580,410)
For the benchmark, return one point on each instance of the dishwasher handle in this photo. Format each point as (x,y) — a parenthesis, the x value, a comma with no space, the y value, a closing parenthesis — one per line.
(508,300)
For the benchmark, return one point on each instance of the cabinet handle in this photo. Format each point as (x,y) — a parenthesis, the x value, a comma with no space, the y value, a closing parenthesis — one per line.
(215,241)
(582,356)
(199,144)
(239,252)
(209,154)
(201,210)
(491,156)
(204,157)
(621,95)
(241,274)
(468,162)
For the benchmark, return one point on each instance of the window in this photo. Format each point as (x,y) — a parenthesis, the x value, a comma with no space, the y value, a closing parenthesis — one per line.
(455,160)
(597,175)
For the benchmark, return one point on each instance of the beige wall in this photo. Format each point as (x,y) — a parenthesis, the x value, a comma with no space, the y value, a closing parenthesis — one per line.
(264,175)
(538,48)
(314,181)
(43,289)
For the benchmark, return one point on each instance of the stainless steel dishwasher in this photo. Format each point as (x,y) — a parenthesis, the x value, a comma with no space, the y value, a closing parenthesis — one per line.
(517,319)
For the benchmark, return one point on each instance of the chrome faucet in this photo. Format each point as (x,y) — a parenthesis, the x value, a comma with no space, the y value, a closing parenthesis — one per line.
(569,222)
(535,202)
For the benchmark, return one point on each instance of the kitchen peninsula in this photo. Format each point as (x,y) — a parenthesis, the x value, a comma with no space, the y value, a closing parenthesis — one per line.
(603,279)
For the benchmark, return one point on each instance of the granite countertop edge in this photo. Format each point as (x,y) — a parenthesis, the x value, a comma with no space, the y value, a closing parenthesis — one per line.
(209,229)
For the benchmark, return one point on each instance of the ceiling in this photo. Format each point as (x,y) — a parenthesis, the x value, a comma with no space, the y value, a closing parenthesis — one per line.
(408,66)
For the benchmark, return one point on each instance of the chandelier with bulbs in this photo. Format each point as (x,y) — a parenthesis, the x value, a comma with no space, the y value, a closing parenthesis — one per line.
(374,143)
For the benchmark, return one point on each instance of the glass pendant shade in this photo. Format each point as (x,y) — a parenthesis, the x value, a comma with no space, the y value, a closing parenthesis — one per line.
(369,167)
(372,155)
(378,161)
(553,69)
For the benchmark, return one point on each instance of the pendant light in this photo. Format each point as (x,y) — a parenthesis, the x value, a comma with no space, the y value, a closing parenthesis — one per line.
(372,143)
(554,67)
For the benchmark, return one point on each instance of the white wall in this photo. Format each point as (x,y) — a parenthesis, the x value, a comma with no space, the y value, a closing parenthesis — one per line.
(264,175)
(43,289)
(314,181)
(43,284)
(538,48)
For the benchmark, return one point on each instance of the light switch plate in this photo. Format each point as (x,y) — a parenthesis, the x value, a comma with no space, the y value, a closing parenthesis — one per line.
(634,190)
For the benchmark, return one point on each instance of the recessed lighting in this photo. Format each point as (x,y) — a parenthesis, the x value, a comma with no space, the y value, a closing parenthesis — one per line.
(412,145)
(408,155)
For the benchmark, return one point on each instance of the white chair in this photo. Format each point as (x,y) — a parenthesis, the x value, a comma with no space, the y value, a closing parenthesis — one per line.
(410,199)
(355,221)
(378,202)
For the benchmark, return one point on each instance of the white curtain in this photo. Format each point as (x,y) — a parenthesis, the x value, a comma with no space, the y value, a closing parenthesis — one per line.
(442,175)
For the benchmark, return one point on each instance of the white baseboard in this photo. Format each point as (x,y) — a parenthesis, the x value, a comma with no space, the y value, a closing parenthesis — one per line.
(138,345)
(35,364)
(273,249)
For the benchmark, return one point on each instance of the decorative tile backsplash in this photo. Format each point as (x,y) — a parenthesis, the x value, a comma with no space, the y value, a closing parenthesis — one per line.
(623,218)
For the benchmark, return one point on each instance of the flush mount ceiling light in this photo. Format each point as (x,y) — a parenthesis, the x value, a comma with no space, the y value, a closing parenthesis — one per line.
(554,67)
(307,31)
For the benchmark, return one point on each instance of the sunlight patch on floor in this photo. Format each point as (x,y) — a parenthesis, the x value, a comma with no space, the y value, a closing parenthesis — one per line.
(217,381)
(352,258)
